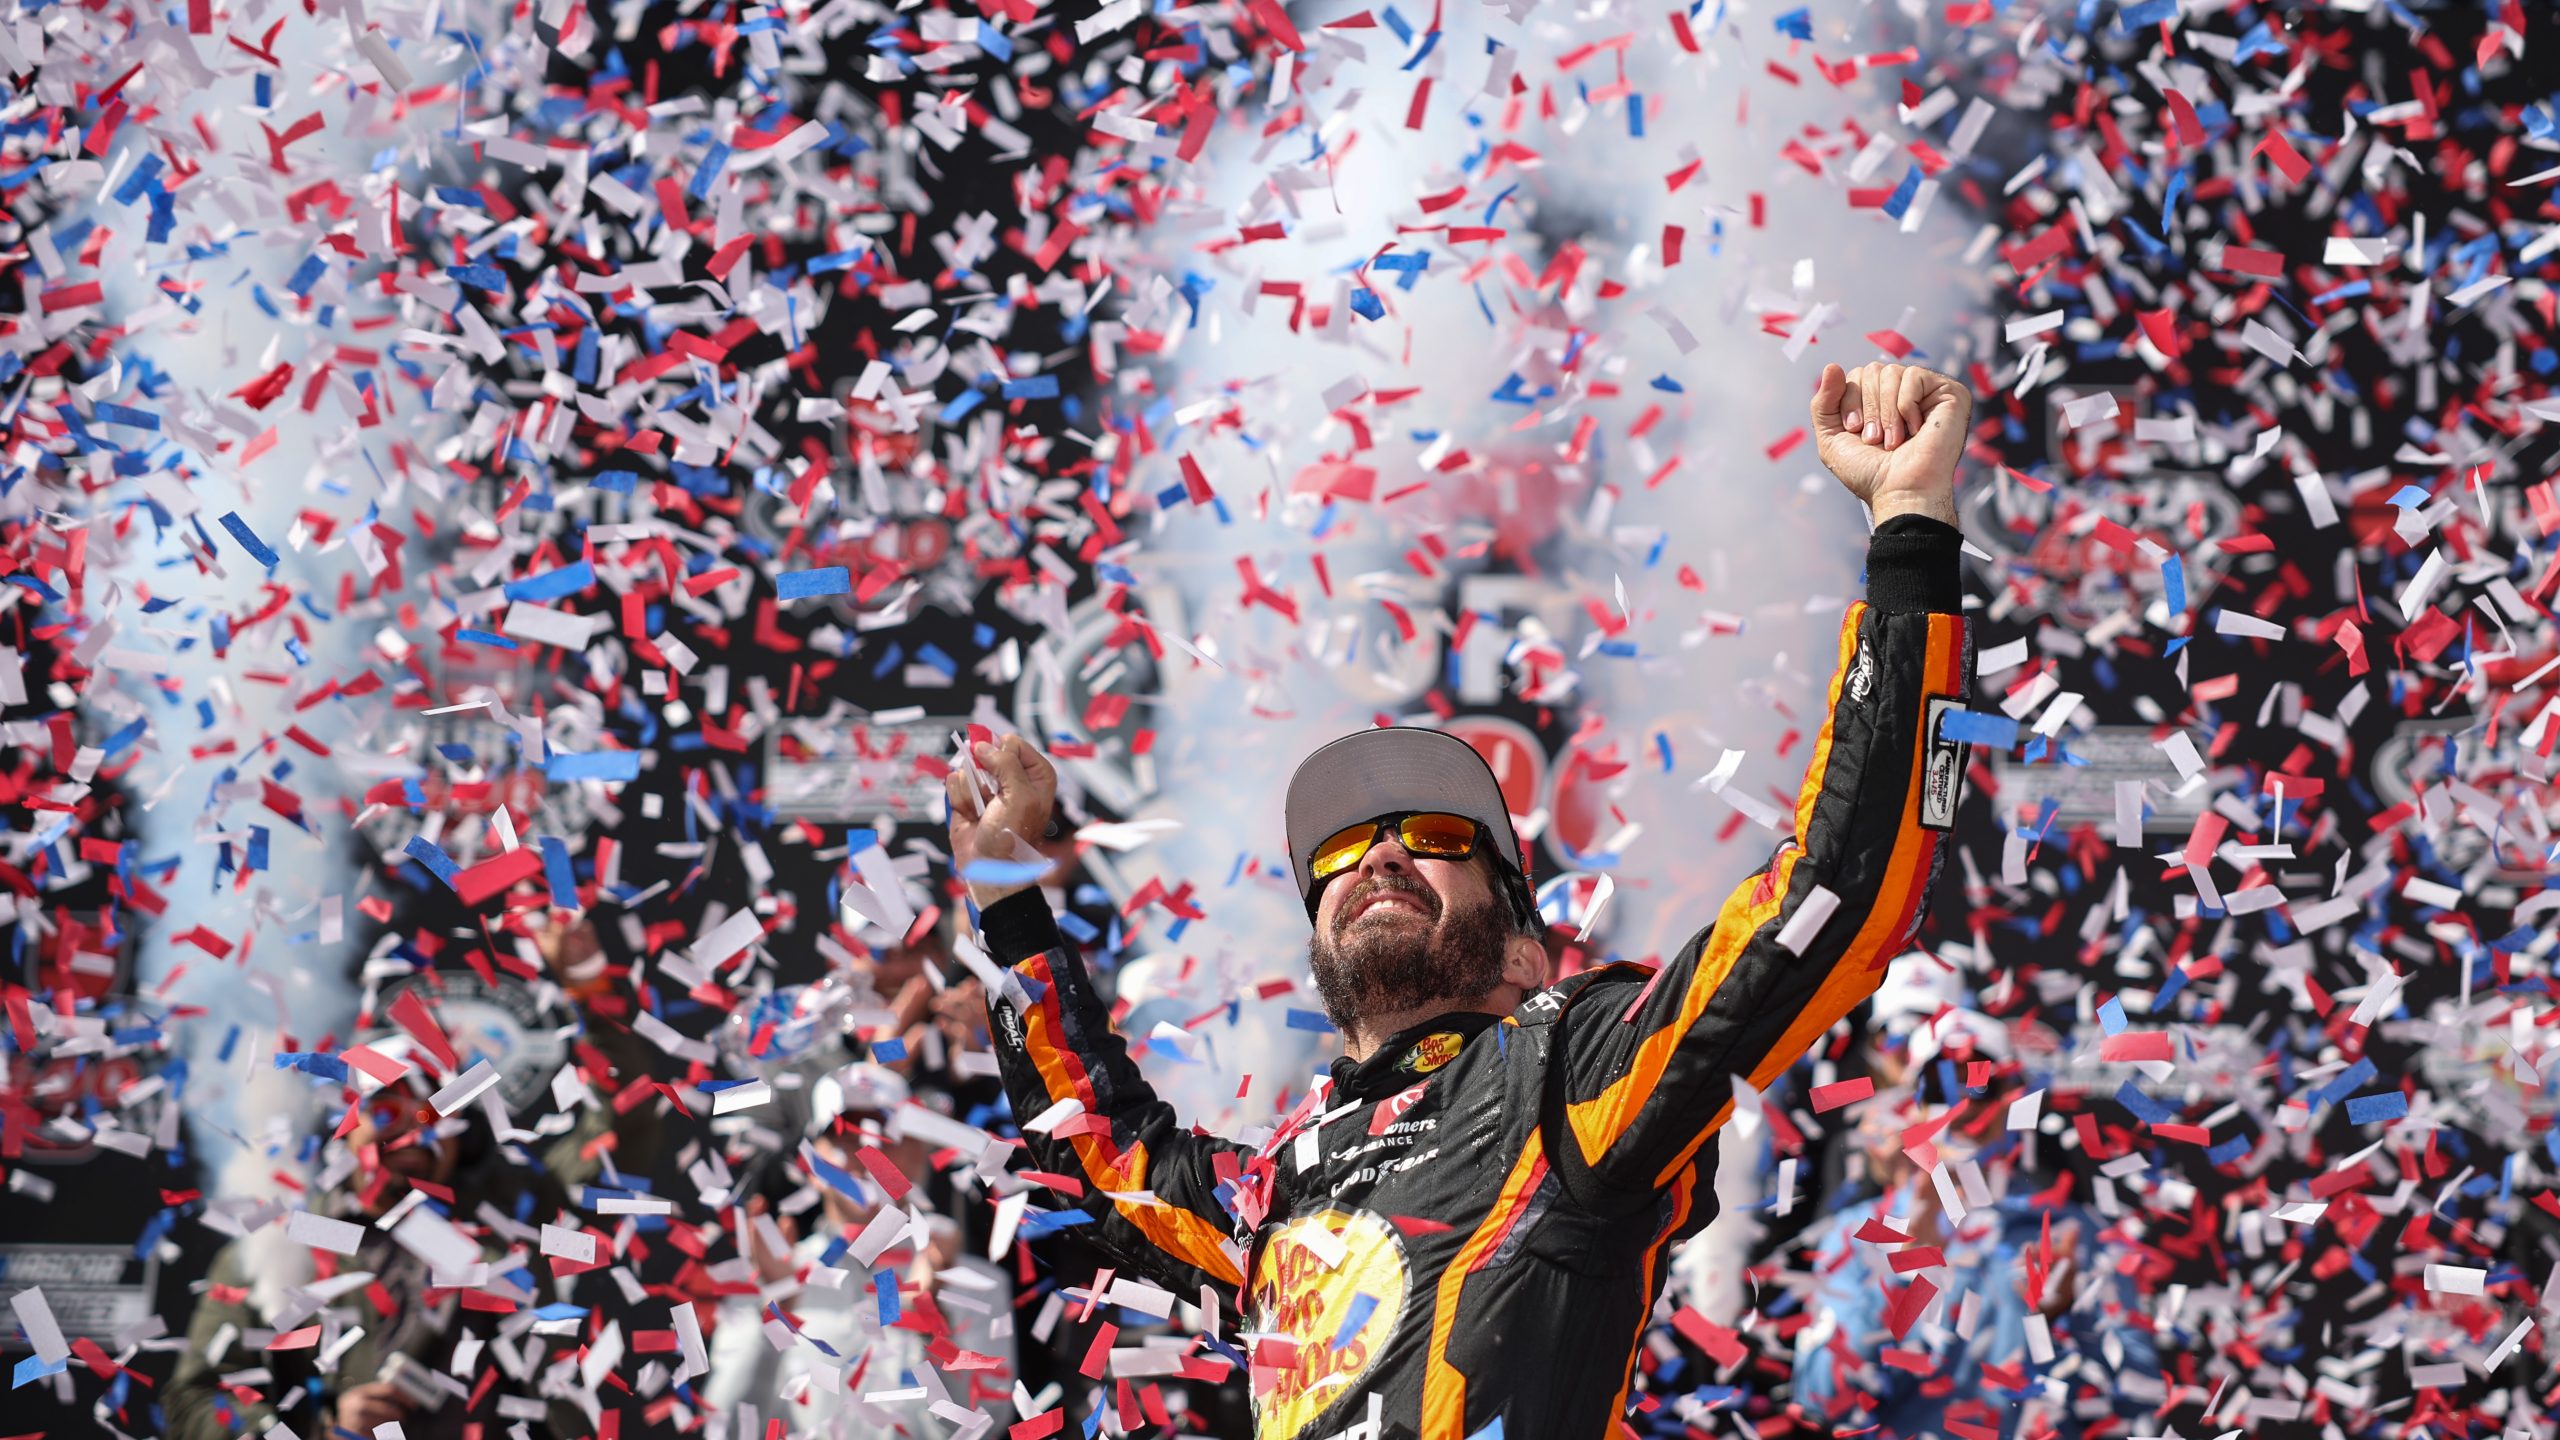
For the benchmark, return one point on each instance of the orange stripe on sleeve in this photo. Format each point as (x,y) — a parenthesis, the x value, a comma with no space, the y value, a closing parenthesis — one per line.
(1178,1232)
(1860,969)
(1598,1122)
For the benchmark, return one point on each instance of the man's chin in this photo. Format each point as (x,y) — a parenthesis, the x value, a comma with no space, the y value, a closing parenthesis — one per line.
(1374,913)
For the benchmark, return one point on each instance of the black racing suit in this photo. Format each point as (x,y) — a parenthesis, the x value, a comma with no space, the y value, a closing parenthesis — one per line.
(1473,1223)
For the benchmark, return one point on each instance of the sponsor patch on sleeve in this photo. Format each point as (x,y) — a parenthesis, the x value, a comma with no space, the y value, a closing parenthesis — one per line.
(1942,774)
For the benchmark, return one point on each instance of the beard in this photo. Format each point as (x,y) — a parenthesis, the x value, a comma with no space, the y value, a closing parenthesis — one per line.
(1372,968)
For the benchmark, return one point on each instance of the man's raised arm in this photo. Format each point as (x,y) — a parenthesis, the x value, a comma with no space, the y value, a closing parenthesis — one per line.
(1796,946)
(1085,1110)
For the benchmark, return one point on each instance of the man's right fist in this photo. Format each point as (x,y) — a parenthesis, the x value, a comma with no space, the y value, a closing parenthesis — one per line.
(1893,434)
(1002,829)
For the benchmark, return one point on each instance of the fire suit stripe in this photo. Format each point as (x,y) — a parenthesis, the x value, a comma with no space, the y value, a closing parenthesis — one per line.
(1598,1122)
(1444,1390)
(1852,968)
(1683,1196)
(1859,967)
(1170,1228)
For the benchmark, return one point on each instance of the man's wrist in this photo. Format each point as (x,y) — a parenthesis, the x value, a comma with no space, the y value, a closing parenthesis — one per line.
(1913,565)
(1018,925)
(1938,505)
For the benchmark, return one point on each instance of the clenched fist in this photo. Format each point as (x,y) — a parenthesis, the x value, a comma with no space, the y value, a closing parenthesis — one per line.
(1893,434)
(1002,829)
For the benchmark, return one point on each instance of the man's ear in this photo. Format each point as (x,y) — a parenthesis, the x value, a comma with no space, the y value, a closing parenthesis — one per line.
(1524,963)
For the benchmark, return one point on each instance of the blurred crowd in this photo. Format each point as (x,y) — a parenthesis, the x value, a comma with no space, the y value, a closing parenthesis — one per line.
(827,1195)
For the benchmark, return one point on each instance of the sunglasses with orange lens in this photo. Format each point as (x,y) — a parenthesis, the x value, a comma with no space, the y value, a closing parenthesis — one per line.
(1435,834)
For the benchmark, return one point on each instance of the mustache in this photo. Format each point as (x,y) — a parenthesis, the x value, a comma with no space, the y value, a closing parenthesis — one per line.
(1352,902)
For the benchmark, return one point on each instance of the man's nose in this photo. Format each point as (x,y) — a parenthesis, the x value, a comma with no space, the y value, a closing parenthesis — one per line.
(1388,856)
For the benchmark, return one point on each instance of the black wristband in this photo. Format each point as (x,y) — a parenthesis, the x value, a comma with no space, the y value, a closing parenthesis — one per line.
(1020,926)
(1912,566)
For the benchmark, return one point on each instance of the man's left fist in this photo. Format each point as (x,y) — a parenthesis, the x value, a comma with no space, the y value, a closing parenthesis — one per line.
(1893,434)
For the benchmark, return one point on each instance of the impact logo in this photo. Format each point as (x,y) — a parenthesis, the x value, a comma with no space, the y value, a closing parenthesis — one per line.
(1862,679)
(1328,1289)
(1431,1052)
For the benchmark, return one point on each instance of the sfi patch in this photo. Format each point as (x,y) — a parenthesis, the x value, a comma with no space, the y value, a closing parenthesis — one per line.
(1942,774)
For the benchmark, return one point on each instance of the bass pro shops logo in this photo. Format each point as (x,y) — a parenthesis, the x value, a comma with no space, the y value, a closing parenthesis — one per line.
(1328,1289)
(1431,1052)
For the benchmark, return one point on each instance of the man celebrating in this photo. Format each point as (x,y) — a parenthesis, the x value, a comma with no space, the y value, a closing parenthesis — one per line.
(1469,1225)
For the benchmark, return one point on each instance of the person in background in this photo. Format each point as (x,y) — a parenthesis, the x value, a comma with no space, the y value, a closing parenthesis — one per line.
(2011,1303)
(908,1342)
(381,1350)
(936,1023)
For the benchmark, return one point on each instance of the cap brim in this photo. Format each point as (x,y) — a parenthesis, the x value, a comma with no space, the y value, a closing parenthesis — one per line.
(1378,772)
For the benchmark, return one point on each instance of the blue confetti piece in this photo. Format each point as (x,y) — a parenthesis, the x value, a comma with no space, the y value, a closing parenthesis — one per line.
(713,161)
(842,1182)
(2360,1073)
(888,1050)
(1973,727)
(807,584)
(555,870)
(1900,200)
(2369,1109)
(557,584)
(1354,1315)
(989,871)
(1310,1020)
(885,1285)
(2148,1109)
(36,1367)
(1036,387)
(1038,1223)
(248,539)
(327,1067)
(1797,23)
(617,766)
(427,853)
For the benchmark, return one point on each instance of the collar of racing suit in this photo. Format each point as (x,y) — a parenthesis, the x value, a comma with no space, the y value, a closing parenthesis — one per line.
(1403,1059)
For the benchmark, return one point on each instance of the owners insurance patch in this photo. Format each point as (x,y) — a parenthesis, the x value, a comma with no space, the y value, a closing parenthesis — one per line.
(1942,777)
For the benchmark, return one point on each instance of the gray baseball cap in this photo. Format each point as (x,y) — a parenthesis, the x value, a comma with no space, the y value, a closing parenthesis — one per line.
(1395,768)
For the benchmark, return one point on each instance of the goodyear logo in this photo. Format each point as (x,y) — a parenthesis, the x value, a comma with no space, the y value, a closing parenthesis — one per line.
(1432,1051)
(1328,1288)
